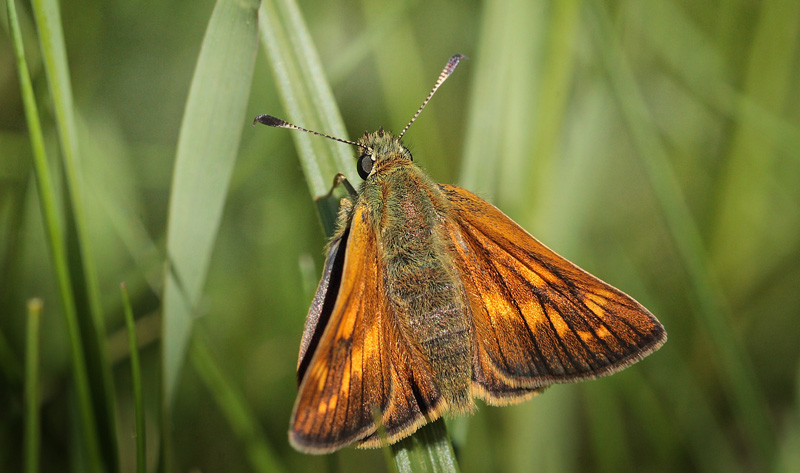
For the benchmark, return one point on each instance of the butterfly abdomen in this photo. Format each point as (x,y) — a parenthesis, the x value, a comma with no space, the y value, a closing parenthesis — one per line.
(423,289)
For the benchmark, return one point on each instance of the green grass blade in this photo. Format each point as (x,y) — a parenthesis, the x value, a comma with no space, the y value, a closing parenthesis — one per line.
(58,252)
(506,78)
(207,147)
(79,256)
(136,382)
(553,100)
(428,450)
(32,435)
(238,413)
(306,95)
(738,371)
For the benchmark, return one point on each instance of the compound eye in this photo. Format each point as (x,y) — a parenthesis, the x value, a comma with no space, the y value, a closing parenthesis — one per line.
(364,165)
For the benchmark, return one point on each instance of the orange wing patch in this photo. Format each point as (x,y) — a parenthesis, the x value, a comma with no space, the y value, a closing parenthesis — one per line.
(538,318)
(360,363)
(345,378)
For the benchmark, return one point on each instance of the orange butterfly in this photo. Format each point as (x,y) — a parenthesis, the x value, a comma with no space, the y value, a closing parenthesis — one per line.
(431,297)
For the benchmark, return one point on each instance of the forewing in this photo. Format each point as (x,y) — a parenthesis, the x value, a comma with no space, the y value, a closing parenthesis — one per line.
(322,305)
(538,318)
(358,366)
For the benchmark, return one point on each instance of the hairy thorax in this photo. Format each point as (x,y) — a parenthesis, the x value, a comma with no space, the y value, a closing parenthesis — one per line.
(424,289)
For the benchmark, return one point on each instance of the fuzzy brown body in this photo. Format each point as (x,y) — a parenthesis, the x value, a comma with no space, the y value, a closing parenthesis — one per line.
(431,297)
(408,211)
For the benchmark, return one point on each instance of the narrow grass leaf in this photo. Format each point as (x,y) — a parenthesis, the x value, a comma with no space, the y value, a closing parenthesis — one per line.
(207,146)
(386,450)
(58,252)
(79,256)
(32,430)
(552,101)
(428,450)
(306,95)
(241,418)
(136,382)
(501,114)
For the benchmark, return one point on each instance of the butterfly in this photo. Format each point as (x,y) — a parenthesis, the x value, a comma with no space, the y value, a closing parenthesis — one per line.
(431,297)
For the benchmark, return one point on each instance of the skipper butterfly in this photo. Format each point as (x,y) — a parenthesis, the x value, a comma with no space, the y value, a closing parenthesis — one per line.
(431,297)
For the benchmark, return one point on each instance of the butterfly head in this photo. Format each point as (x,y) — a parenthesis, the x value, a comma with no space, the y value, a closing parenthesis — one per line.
(378,149)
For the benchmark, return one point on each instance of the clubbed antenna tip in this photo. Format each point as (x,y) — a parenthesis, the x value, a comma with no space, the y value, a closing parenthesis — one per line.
(448,69)
(269,120)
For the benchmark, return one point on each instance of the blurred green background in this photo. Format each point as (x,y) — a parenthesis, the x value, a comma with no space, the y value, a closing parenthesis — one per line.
(655,143)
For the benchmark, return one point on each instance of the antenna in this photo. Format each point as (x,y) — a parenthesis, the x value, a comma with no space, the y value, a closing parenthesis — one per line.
(448,69)
(269,120)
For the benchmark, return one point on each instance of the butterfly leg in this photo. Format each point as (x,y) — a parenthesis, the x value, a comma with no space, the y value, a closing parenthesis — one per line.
(340,179)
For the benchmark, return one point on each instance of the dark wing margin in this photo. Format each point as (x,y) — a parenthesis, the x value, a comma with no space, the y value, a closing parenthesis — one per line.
(538,318)
(322,305)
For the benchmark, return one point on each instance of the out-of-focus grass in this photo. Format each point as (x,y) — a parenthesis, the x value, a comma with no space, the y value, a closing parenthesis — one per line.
(69,288)
(540,121)
(136,382)
(83,270)
(32,348)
